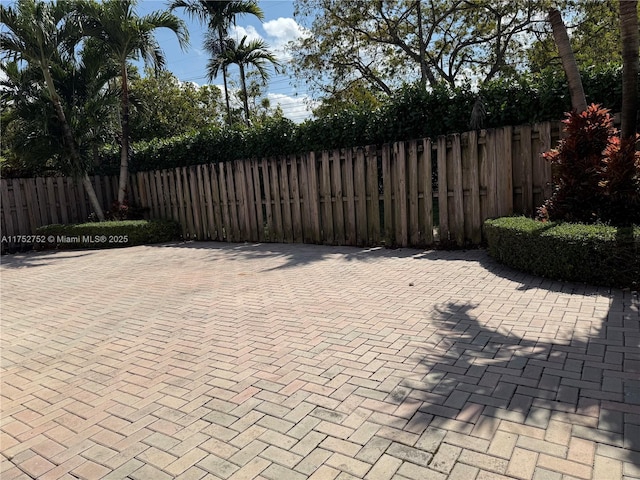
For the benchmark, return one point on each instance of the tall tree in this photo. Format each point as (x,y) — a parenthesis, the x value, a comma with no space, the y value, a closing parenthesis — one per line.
(586,20)
(629,34)
(253,54)
(386,43)
(163,107)
(578,98)
(219,15)
(126,36)
(40,33)
(31,130)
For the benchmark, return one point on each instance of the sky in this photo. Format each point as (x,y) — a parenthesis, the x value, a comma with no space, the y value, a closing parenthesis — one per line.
(277,29)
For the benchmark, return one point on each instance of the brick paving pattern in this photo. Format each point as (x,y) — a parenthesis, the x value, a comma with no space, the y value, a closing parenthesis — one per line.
(207,361)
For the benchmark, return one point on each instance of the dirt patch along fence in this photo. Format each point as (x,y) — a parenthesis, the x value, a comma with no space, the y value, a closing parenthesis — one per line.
(393,194)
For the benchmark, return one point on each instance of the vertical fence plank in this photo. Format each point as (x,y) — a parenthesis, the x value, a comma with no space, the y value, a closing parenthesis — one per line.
(457,215)
(527,170)
(278,222)
(400,160)
(387,188)
(175,207)
(83,216)
(142,195)
(373,189)
(296,213)
(33,214)
(62,201)
(206,208)
(443,190)
(492,174)
(73,199)
(474,182)
(40,199)
(43,200)
(256,200)
(505,171)
(251,201)
(5,207)
(268,202)
(184,193)
(150,183)
(10,217)
(224,202)
(216,204)
(188,192)
(234,213)
(361,198)
(157,178)
(327,207)
(165,199)
(53,204)
(243,204)
(180,198)
(412,182)
(545,144)
(427,187)
(313,198)
(338,207)
(199,202)
(326,200)
(350,208)
(303,181)
(146,183)
(285,195)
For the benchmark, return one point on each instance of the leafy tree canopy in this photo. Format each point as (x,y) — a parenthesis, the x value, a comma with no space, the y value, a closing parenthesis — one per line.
(165,107)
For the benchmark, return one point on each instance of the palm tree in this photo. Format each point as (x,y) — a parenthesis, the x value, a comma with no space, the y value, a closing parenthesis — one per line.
(219,15)
(125,36)
(252,54)
(40,33)
(31,127)
(629,34)
(578,98)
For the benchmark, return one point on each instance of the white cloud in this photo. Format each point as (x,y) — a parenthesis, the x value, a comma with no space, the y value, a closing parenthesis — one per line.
(250,32)
(284,30)
(281,32)
(294,108)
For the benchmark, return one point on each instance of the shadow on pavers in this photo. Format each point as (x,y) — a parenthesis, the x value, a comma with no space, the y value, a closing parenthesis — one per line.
(39,259)
(585,369)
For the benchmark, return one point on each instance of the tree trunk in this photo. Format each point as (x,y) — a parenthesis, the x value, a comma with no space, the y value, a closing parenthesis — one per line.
(423,64)
(578,99)
(244,93)
(68,138)
(224,78)
(629,34)
(124,141)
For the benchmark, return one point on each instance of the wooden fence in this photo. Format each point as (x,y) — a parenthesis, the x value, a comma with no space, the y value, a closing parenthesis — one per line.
(394,194)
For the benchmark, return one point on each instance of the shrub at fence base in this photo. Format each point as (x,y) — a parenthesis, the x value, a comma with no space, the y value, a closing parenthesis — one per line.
(594,254)
(107,234)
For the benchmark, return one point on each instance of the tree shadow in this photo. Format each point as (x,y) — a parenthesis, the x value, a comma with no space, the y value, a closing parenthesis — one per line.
(585,374)
(292,255)
(39,259)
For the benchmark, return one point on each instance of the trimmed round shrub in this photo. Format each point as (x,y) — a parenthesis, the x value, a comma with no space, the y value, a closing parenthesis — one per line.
(594,254)
(124,233)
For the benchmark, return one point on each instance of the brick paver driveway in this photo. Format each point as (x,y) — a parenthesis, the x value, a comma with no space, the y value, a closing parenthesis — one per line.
(293,361)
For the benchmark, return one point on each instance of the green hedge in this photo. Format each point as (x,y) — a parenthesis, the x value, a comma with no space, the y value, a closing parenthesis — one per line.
(113,234)
(412,112)
(594,254)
